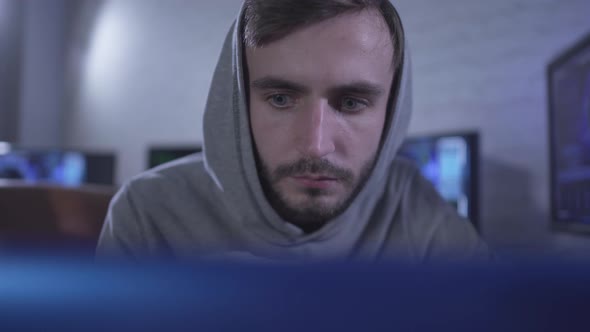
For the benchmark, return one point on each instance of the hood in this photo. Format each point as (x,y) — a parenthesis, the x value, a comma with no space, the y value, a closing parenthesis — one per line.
(230,156)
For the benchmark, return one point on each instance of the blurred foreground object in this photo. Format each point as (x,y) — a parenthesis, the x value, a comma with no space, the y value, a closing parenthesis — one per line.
(63,295)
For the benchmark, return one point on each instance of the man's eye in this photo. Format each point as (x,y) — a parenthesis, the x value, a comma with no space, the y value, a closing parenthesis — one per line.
(280,101)
(349,104)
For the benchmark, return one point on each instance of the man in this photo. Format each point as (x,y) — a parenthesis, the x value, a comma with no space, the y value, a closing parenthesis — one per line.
(309,104)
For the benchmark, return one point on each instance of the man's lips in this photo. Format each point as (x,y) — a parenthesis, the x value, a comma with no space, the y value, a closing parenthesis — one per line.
(315,177)
(315,181)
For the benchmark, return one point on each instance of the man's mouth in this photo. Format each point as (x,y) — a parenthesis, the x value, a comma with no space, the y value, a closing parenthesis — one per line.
(317,181)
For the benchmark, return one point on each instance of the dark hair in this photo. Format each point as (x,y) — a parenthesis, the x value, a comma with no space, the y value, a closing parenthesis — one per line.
(266,21)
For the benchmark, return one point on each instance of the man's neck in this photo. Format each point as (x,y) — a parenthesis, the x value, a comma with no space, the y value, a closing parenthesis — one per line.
(309,228)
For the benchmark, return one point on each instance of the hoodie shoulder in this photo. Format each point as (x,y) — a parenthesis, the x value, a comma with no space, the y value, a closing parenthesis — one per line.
(170,192)
(181,180)
(434,228)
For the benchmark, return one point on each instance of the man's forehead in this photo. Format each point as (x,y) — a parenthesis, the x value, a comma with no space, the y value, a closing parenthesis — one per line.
(343,47)
(365,30)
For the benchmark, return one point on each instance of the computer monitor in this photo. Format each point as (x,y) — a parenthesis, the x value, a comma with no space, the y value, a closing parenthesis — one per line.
(450,162)
(158,155)
(568,78)
(56,166)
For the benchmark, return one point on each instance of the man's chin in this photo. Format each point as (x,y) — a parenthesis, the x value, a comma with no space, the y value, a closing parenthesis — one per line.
(311,200)
(307,210)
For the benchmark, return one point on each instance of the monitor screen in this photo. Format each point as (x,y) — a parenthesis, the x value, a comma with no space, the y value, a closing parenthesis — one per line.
(162,154)
(450,163)
(62,167)
(569,127)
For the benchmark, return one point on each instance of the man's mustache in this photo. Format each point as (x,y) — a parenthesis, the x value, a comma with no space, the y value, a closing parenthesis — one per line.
(313,166)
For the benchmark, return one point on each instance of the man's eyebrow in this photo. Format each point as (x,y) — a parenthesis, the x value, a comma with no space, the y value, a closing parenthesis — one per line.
(363,88)
(269,82)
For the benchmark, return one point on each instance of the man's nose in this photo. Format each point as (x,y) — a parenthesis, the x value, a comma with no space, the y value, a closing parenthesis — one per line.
(315,130)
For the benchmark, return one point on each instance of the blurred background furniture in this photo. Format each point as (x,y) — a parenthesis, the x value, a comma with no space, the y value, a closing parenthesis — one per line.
(40,215)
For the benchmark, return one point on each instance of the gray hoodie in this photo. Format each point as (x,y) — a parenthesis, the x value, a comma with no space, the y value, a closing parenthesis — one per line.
(212,204)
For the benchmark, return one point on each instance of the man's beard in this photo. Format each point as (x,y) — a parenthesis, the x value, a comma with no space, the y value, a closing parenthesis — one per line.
(314,214)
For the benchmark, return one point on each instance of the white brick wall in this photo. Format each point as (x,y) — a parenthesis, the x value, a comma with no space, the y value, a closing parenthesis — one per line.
(477,65)
(42,79)
(481,65)
(142,70)
(10,34)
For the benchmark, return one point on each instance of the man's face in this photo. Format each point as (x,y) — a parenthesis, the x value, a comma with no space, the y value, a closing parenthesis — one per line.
(318,100)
